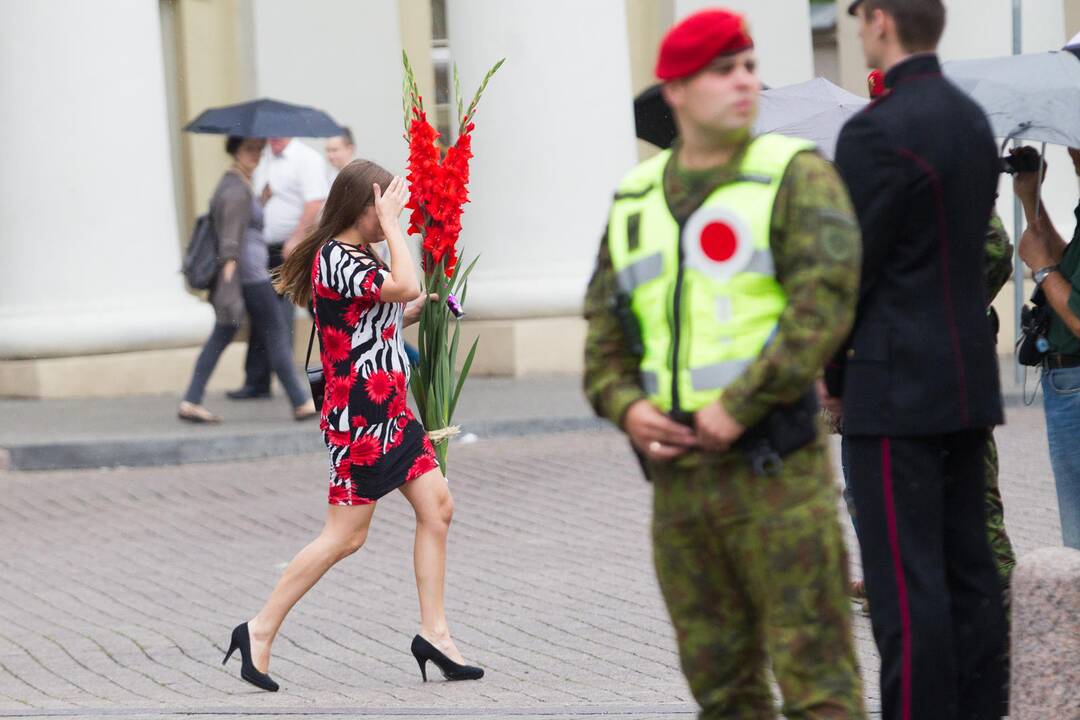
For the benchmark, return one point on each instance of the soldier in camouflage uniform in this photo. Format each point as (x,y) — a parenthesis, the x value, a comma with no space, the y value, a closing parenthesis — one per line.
(999,253)
(751,563)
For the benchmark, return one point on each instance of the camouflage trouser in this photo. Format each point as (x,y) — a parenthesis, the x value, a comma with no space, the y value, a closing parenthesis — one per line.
(754,572)
(1000,544)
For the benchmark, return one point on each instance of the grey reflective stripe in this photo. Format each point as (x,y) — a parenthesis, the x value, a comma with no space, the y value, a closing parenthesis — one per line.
(718,376)
(754,178)
(640,272)
(650,382)
(723,309)
(761,262)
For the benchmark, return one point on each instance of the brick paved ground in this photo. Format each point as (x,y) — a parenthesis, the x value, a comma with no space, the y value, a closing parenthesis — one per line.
(118,588)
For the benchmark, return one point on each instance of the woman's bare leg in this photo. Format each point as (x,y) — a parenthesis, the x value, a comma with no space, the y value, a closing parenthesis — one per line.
(434,508)
(343,534)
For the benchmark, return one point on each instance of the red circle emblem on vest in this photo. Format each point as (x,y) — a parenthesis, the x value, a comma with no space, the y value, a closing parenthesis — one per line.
(719,241)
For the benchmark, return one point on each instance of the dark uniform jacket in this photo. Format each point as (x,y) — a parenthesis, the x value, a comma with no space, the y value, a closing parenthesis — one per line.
(922,169)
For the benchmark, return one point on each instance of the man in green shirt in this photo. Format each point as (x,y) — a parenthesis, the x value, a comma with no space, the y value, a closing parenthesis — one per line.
(726,279)
(1055,266)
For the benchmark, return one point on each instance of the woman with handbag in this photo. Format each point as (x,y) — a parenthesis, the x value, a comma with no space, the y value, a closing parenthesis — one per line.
(242,283)
(376,445)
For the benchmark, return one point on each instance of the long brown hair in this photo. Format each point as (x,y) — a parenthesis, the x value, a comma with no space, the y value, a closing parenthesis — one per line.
(349,196)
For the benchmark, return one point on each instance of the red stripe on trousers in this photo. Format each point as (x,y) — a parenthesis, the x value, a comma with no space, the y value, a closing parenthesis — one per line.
(901,585)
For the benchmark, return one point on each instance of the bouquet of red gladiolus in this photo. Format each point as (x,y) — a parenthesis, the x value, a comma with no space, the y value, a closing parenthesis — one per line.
(438,186)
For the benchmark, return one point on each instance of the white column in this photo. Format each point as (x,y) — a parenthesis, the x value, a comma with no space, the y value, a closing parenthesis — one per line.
(340,56)
(781,32)
(89,254)
(554,133)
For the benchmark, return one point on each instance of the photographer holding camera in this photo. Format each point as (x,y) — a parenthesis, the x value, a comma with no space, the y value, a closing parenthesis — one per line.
(1055,265)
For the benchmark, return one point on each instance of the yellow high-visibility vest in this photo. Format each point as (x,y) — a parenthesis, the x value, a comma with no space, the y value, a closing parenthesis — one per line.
(704,294)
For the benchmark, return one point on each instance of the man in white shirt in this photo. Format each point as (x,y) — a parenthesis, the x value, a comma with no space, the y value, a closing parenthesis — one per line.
(293,177)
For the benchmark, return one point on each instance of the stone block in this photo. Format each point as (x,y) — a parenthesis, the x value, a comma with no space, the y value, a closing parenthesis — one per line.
(1045,680)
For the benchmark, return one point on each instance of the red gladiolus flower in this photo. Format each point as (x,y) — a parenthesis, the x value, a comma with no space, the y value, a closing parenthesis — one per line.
(437,191)
(336,344)
(378,386)
(365,451)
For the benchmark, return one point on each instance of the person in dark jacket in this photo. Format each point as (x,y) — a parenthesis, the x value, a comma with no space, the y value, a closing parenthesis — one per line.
(917,382)
(242,284)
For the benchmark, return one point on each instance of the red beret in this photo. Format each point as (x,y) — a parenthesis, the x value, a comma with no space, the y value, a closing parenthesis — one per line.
(694,42)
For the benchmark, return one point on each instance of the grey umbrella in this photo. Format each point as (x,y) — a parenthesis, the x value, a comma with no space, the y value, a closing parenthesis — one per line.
(1029,97)
(815,110)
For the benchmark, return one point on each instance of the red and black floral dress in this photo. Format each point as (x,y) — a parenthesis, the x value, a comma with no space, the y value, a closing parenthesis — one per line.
(376,444)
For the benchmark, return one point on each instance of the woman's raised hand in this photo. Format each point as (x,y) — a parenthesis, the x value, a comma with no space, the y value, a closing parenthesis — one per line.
(389,203)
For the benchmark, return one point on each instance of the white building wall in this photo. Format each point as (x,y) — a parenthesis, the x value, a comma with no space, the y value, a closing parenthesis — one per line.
(781,32)
(88,232)
(340,56)
(554,133)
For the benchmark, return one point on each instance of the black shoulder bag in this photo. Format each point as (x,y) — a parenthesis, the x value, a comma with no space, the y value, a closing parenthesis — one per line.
(314,375)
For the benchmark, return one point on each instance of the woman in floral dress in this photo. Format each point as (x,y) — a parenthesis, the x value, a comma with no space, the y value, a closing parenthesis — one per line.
(376,445)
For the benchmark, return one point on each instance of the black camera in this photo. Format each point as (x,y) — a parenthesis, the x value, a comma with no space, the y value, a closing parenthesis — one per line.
(1021,162)
(1032,344)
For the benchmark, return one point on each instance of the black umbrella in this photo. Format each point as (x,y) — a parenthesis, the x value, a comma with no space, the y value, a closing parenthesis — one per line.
(265,118)
(652,118)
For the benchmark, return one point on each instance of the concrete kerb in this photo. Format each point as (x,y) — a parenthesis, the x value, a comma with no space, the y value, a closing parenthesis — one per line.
(159,451)
(144,433)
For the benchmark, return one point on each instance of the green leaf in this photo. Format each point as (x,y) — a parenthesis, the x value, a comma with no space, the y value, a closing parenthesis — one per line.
(465,275)
(457,93)
(464,293)
(466,366)
(454,343)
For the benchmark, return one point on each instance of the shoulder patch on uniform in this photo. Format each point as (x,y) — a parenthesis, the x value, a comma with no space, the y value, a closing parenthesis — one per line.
(835,230)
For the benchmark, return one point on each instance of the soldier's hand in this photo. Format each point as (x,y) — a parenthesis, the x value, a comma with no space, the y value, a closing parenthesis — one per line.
(832,407)
(656,435)
(716,429)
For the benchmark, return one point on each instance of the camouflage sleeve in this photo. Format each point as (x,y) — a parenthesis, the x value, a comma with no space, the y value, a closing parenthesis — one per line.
(817,254)
(999,252)
(612,380)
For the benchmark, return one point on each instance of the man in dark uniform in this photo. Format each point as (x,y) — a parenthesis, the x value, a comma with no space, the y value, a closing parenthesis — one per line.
(918,378)
(727,277)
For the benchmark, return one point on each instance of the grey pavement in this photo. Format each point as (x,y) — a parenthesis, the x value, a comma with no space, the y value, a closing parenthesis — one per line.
(119,586)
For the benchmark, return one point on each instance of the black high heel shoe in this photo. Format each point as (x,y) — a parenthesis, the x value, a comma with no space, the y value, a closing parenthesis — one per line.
(423,651)
(242,640)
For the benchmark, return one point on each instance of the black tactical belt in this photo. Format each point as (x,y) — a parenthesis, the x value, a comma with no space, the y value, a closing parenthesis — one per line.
(1057,361)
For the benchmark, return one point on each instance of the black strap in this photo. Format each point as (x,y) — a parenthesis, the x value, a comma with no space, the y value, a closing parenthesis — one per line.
(310,344)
